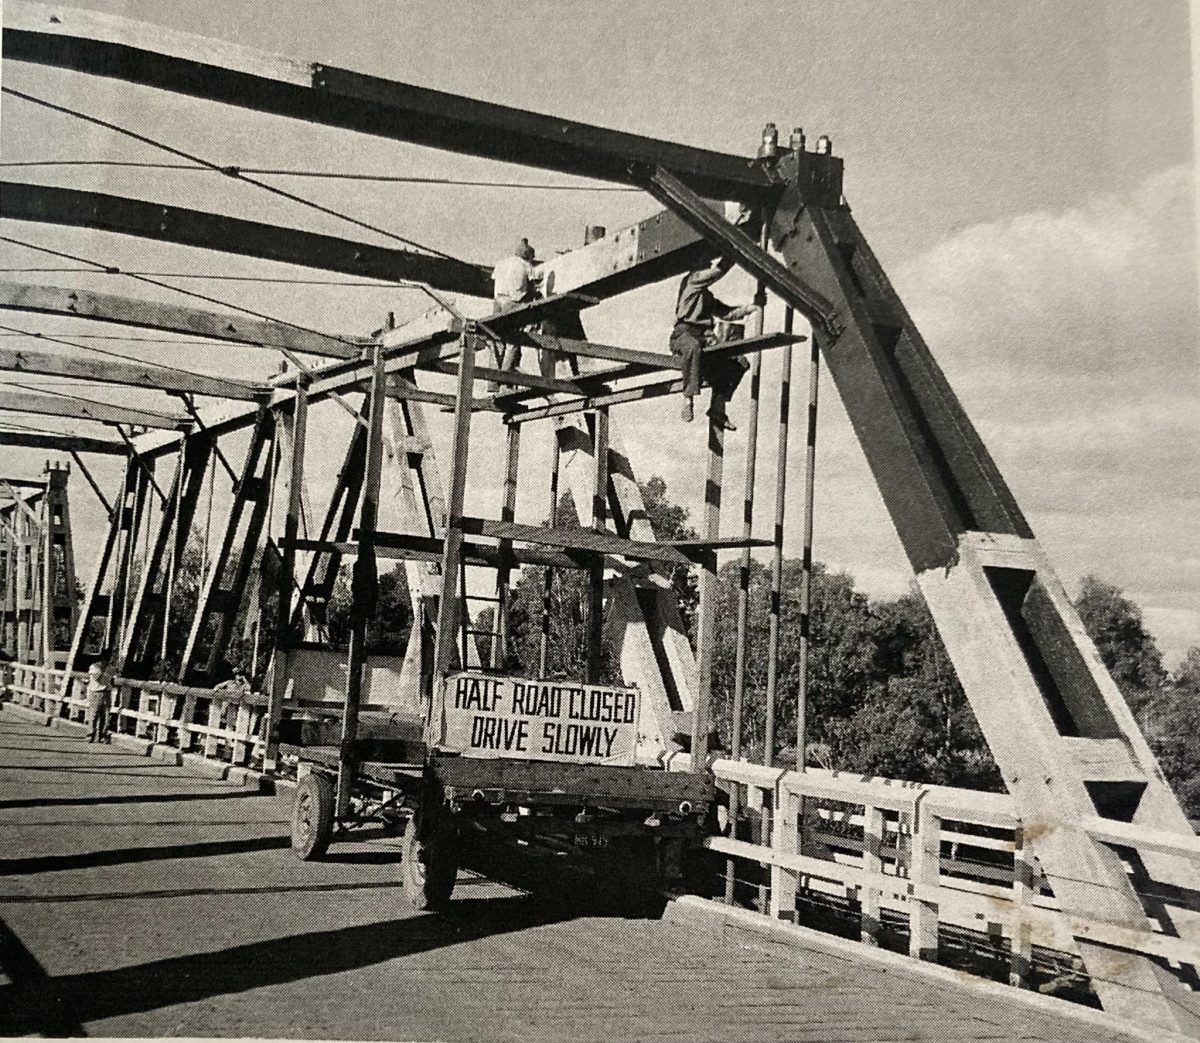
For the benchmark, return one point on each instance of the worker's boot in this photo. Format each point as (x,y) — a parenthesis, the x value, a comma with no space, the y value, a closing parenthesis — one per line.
(689,411)
(722,421)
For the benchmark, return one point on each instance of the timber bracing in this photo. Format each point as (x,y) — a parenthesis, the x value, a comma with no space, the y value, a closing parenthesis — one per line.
(38,608)
(224,584)
(144,639)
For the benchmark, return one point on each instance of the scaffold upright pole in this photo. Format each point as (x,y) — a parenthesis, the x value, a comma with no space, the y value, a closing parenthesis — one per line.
(285,654)
(452,546)
(707,611)
(810,466)
(595,616)
(776,603)
(364,587)
(548,577)
(739,675)
(508,513)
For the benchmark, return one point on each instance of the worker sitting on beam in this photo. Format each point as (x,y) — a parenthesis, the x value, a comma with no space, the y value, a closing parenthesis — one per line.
(696,314)
(515,281)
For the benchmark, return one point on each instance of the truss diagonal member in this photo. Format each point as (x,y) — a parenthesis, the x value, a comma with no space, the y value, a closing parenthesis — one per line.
(735,244)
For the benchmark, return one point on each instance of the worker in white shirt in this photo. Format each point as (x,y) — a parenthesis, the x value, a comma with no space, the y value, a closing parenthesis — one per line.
(515,281)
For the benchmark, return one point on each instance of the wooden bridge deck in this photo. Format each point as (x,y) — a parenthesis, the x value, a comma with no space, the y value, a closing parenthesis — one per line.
(137,899)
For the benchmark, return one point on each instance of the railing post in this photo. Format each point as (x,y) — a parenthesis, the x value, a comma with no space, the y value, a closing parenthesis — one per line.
(785,839)
(211,739)
(186,719)
(923,883)
(241,742)
(869,897)
(1021,959)
(166,716)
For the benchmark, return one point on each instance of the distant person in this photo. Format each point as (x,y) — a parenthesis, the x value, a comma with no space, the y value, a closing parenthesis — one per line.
(696,315)
(99,699)
(514,282)
(6,673)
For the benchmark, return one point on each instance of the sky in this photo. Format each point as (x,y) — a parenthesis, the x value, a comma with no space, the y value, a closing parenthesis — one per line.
(1024,171)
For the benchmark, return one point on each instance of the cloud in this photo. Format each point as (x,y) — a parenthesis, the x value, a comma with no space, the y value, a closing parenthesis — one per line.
(1071,339)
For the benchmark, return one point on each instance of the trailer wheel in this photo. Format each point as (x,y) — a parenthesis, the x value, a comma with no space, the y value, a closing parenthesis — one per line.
(430,865)
(312,817)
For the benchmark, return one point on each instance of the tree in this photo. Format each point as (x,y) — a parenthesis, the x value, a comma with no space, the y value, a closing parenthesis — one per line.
(1170,720)
(1114,623)
(918,725)
(1187,677)
(388,627)
(670,522)
(568,598)
(883,697)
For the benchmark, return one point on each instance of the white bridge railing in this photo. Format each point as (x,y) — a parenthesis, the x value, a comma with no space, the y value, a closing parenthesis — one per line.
(226,725)
(928,857)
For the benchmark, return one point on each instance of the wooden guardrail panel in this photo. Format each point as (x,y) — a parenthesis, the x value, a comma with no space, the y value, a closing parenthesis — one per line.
(940,856)
(161,711)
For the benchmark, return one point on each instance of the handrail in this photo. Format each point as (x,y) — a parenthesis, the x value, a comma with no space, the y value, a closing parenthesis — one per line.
(233,728)
(910,848)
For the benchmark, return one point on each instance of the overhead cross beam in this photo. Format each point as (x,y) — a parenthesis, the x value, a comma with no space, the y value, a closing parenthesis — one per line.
(133,374)
(106,45)
(85,409)
(173,318)
(176,224)
(61,442)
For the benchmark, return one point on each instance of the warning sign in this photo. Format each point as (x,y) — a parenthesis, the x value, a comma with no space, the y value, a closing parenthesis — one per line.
(483,715)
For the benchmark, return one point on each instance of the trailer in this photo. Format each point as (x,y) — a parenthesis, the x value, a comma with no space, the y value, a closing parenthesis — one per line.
(547,766)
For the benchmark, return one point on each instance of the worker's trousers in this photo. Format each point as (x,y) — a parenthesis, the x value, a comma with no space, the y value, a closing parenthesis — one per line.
(724,374)
(688,343)
(98,710)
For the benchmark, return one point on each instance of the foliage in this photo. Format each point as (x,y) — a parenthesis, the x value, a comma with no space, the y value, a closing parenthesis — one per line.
(566,605)
(1114,624)
(1167,708)
(669,521)
(388,627)
(882,696)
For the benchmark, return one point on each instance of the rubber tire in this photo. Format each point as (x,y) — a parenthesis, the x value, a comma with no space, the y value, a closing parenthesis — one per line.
(312,817)
(430,866)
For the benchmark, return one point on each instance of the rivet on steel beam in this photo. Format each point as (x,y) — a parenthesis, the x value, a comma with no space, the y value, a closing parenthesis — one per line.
(824,145)
(797,140)
(770,142)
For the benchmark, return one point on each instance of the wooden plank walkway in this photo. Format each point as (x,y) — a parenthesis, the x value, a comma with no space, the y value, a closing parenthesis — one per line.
(139,900)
